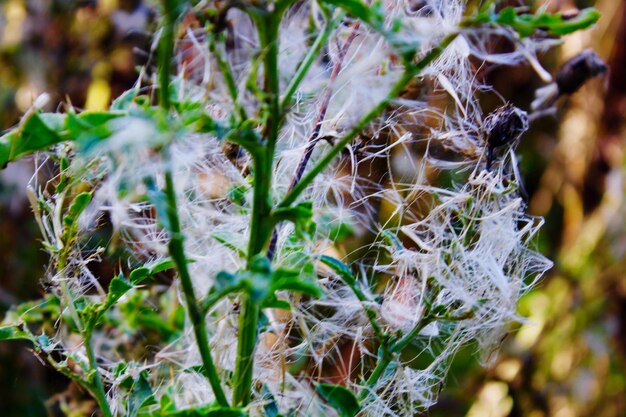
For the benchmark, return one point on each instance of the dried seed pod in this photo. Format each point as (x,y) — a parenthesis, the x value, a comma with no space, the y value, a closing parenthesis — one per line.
(578,70)
(571,76)
(504,125)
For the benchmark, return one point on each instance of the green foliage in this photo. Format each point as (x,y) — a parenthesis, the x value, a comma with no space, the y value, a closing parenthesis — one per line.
(340,398)
(15,333)
(340,268)
(528,24)
(261,280)
(141,395)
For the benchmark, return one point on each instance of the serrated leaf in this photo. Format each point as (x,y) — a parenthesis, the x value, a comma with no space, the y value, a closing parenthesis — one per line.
(117,288)
(340,398)
(339,268)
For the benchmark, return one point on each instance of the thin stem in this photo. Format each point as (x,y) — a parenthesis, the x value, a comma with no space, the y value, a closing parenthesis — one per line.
(321,115)
(311,56)
(166,52)
(227,73)
(248,322)
(369,312)
(410,72)
(176,244)
(95,386)
(177,253)
(388,353)
(98,391)
(381,367)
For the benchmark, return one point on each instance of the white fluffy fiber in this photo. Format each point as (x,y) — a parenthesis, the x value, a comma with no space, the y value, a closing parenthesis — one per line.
(471,248)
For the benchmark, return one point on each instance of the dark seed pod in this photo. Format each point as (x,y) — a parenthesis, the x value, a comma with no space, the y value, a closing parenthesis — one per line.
(578,70)
(504,125)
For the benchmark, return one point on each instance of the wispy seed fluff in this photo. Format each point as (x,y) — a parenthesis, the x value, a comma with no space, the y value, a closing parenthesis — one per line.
(466,247)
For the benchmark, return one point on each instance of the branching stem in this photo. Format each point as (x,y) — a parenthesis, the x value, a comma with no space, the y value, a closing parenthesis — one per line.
(410,71)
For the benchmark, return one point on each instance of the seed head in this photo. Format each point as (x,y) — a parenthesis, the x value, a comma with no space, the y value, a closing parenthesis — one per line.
(578,70)
(504,125)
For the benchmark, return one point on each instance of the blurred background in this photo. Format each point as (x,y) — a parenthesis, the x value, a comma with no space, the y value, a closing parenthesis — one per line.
(567,360)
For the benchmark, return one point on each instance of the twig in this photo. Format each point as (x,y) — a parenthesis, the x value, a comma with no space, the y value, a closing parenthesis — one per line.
(321,115)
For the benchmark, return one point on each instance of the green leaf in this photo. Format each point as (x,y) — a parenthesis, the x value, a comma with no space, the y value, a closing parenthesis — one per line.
(15,333)
(393,240)
(340,269)
(92,119)
(94,312)
(37,132)
(164,265)
(38,310)
(203,411)
(301,215)
(355,8)
(270,407)
(125,101)
(297,284)
(340,398)
(228,241)
(90,128)
(562,26)
(527,24)
(141,395)
(138,275)
(275,302)
(79,204)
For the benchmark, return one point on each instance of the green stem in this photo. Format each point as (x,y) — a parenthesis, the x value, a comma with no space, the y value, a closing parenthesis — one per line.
(261,223)
(166,52)
(176,243)
(98,387)
(227,73)
(196,315)
(95,386)
(411,71)
(388,353)
(381,367)
(311,56)
(248,322)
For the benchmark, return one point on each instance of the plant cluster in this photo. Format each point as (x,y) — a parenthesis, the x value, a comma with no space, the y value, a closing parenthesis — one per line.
(231,195)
